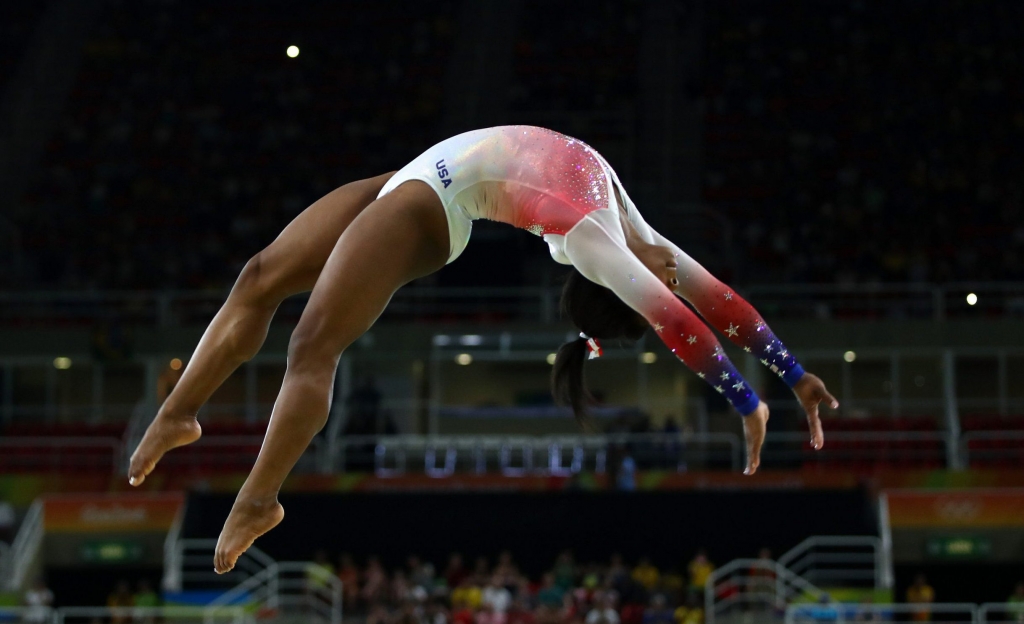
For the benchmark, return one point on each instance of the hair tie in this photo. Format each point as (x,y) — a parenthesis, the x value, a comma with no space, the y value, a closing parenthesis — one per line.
(593,345)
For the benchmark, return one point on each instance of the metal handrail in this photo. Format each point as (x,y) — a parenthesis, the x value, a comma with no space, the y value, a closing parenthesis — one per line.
(26,546)
(846,612)
(441,454)
(804,560)
(162,307)
(1013,613)
(784,583)
(208,615)
(972,436)
(48,614)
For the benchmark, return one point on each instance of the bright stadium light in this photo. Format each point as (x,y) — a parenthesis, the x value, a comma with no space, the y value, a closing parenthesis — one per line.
(849,356)
(972,299)
(292,51)
(62,363)
(471,340)
(464,359)
(648,357)
(551,359)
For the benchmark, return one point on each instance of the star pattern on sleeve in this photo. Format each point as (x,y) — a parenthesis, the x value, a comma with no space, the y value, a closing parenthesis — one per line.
(658,327)
(692,339)
(733,330)
(747,349)
(724,376)
(728,296)
(720,389)
(739,385)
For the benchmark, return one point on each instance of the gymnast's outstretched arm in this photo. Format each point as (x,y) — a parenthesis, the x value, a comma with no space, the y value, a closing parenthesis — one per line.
(597,248)
(731,314)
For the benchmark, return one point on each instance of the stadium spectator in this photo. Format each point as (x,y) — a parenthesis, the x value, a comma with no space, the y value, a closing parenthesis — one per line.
(38,600)
(348,574)
(700,570)
(519,612)
(691,612)
(496,596)
(319,571)
(120,598)
(375,582)
(400,590)
(921,593)
(565,570)
(604,610)
(761,577)
(550,595)
(467,595)
(1016,603)
(465,603)
(455,571)
(145,598)
(646,574)
(618,573)
(436,613)
(658,611)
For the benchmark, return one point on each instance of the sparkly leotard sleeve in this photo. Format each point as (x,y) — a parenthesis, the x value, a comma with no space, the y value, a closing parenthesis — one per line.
(560,188)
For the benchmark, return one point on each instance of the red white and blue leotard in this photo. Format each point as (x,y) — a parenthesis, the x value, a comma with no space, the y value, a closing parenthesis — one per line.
(560,188)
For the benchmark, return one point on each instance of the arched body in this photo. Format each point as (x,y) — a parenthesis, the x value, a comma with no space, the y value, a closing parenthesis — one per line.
(356,246)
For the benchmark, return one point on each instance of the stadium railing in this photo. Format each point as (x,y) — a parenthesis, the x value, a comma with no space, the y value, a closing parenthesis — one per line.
(939,613)
(754,586)
(27,544)
(258,582)
(840,560)
(558,455)
(182,615)
(1001,613)
(807,301)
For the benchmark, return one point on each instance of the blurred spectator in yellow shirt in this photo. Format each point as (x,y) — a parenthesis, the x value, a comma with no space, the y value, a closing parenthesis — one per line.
(700,569)
(467,594)
(921,593)
(646,574)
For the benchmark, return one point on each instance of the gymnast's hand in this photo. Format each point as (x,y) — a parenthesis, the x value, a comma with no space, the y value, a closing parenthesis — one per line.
(811,391)
(754,426)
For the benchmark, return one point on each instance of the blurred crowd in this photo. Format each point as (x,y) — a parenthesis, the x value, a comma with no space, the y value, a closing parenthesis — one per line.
(868,142)
(500,593)
(843,141)
(191,139)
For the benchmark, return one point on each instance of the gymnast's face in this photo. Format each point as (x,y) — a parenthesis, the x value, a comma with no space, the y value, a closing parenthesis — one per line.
(659,260)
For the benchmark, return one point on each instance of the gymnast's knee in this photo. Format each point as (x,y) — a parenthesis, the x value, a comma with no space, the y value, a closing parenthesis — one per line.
(257,284)
(310,353)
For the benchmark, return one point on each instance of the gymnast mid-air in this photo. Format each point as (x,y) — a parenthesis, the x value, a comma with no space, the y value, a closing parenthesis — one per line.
(360,243)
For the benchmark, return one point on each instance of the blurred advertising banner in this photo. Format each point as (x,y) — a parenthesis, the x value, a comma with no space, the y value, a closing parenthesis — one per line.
(111,513)
(983,524)
(981,509)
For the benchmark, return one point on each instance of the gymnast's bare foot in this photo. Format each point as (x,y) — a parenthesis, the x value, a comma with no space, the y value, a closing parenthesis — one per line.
(163,434)
(249,519)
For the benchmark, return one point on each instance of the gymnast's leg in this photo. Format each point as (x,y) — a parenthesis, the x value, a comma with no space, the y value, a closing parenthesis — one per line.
(289,265)
(398,238)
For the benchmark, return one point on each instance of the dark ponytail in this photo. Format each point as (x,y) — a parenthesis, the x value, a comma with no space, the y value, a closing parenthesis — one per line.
(567,384)
(598,313)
